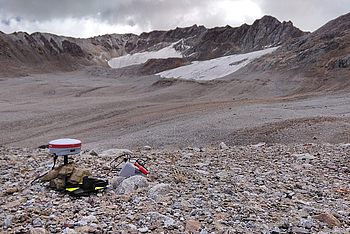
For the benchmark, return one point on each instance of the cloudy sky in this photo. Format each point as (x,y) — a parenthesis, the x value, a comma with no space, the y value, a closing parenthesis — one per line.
(85,18)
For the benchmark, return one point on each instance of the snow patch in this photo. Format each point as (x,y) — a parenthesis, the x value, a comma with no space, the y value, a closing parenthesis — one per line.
(214,68)
(139,58)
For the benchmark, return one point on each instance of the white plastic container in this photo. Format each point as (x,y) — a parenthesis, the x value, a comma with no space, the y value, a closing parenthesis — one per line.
(66,146)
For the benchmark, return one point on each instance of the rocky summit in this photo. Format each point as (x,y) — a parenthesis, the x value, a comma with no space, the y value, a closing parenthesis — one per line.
(241,189)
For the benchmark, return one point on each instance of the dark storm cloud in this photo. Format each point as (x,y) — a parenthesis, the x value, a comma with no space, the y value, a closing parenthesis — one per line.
(159,13)
(106,16)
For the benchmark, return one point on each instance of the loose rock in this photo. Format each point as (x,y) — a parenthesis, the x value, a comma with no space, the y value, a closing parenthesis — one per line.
(223,146)
(158,191)
(328,219)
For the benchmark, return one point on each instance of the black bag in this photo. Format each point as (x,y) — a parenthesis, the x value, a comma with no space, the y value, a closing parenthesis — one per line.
(89,185)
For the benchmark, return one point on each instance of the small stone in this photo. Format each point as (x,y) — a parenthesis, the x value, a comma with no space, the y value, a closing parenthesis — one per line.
(169,222)
(193,226)
(298,230)
(329,219)
(38,231)
(86,229)
(69,231)
(188,155)
(147,147)
(196,149)
(143,230)
(12,190)
(275,230)
(37,222)
(88,219)
(259,145)
(93,153)
(223,146)
(305,156)
(8,221)
(158,191)
(305,223)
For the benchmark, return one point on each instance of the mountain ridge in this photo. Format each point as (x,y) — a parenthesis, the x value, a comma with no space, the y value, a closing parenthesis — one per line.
(45,52)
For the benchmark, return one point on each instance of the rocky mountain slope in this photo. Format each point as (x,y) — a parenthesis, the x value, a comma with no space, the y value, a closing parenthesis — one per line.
(323,56)
(42,52)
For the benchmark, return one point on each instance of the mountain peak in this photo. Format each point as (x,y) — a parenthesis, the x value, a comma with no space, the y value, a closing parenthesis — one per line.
(267,20)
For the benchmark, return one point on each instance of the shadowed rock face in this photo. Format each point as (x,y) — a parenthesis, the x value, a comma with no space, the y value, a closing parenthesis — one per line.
(154,66)
(72,49)
(43,52)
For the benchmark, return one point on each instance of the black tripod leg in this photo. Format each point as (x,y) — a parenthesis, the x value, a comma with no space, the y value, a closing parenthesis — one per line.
(65,160)
(54,161)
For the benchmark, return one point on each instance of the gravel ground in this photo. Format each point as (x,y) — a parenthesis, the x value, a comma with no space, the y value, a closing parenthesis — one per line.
(263,188)
(110,108)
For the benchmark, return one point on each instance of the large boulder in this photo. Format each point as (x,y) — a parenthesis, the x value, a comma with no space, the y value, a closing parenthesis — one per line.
(131,184)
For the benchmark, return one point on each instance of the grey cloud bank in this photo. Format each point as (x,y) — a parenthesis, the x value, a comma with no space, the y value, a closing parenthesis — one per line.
(84,18)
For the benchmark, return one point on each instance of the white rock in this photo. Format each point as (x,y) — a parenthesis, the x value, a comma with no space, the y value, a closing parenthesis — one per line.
(88,219)
(168,222)
(143,230)
(196,149)
(223,146)
(259,144)
(147,147)
(304,156)
(8,221)
(131,184)
(69,231)
(37,222)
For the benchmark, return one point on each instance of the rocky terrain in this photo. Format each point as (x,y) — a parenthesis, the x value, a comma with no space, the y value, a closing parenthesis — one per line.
(240,189)
(294,99)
